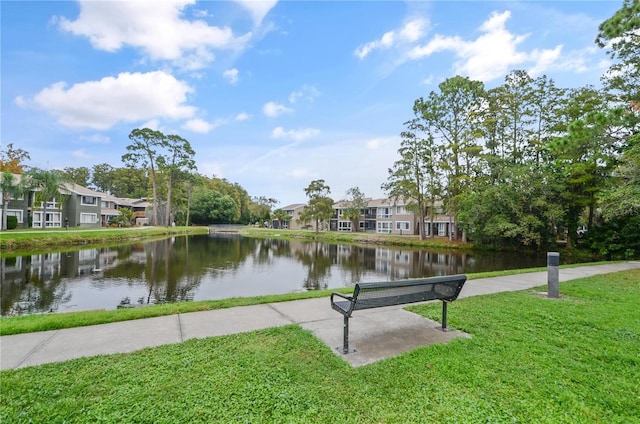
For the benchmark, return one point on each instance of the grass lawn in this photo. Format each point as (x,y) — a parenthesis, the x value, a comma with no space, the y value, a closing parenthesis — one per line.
(31,240)
(531,360)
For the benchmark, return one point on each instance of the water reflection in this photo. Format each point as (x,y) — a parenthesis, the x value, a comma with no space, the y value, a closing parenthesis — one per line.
(215,267)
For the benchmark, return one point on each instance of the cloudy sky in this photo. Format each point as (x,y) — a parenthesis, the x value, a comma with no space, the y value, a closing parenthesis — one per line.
(271,95)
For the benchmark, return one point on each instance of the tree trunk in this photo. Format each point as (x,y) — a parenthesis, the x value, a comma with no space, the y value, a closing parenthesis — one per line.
(168,213)
(5,207)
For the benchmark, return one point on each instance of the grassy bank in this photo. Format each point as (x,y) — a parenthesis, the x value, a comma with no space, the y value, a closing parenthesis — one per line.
(357,238)
(34,239)
(530,359)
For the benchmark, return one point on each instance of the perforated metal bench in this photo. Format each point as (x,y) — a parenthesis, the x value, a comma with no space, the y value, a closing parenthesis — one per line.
(390,293)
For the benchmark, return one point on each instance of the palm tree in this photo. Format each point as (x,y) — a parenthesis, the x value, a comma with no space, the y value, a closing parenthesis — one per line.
(11,187)
(282,217)
(48,185)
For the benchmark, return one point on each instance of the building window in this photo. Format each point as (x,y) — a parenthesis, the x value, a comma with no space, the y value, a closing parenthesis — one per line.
(383,227)
(401,210)
(104,204)
(344,225)
(88,218)
(384,212)
(17,213)
(52,220)
(403,225)
(51,204)
(89,200)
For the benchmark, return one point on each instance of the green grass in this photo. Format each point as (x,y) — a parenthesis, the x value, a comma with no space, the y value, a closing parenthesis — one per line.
(530,360)
(33,239)
(357,238)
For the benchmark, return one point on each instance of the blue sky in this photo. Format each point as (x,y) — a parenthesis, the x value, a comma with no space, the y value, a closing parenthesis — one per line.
(271,95)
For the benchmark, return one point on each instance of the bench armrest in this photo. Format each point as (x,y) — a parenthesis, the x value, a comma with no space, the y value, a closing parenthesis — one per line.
(349,298)
(345,307)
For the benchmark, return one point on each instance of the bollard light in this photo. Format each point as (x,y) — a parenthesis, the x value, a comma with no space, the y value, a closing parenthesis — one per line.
(553,280)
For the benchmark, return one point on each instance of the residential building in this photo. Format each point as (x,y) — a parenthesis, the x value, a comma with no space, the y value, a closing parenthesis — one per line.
(78,207)
(392,216)
(294,211)
(111,206)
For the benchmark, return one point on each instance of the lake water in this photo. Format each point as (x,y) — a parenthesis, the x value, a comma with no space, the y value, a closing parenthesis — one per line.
(206,267)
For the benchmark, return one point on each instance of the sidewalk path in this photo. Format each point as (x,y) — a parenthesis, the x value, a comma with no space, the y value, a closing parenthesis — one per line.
(376,334)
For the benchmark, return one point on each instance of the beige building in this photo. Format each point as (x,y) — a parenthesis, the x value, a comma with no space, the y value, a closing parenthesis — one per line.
(392,216)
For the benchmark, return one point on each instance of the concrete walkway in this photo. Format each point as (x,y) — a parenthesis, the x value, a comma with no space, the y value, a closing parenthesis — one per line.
(376,334)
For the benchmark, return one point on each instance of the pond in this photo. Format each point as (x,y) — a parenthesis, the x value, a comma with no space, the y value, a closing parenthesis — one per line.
(218,266)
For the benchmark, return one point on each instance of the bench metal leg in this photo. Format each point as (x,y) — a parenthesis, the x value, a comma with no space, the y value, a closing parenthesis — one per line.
(444,316)
(345,338)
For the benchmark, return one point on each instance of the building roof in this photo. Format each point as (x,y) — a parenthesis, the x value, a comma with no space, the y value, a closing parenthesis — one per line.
(293,206)
(81,190)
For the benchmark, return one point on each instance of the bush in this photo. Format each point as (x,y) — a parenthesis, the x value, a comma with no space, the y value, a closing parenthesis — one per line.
(12,222)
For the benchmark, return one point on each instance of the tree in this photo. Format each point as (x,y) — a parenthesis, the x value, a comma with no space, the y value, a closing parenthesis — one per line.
(48,185)
(144,150)
(11,188)
(586,154)
(237,193)
(12,159)
(130,182)
(102,178)
(125,217)
(415,177)
(356,202)
(622,196)
(320,205)
(179,159)
(212,207)
(282,217)
(452,115)
(621,36)
(260,208)
(78,175)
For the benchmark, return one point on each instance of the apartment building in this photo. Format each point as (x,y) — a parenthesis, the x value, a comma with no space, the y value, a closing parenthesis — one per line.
(392,216)
(78,206)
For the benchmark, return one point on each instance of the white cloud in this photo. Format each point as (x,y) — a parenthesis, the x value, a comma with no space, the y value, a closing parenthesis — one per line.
(300,173)
(297,135)
(96,139)
(373,144)
(81,154)
(543,60)
(231,75)
(152,124)
(158,28)
(273,109)
(307,92)
(258,9)
(410,33)
(198,125)
(129,97)
(242,116)
(20,101)
(201,126)
(492,54)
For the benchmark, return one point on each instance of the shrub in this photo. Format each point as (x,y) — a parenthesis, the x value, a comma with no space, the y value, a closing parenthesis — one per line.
(12,222)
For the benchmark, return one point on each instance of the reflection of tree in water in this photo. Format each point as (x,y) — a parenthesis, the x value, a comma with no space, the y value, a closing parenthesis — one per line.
(35,287)
(355,262)
(174,268)
(318,258)
(267,249)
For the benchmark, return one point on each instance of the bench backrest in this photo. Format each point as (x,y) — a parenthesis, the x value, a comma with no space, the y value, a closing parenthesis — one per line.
(387,293)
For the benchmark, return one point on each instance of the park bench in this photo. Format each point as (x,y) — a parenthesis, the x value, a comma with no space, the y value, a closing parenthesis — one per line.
(391,293)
